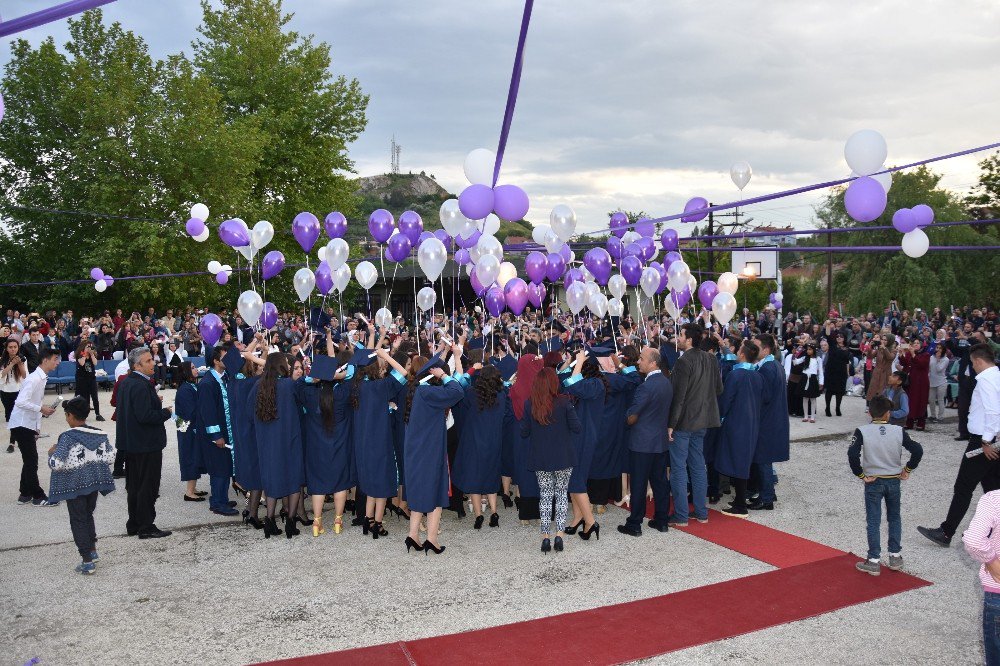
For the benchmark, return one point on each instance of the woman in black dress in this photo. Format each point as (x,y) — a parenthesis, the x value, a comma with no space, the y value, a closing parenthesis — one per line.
(836,372)
(86,377)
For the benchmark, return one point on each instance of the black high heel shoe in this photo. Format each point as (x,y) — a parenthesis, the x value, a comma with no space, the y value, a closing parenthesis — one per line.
(558,544)
(377,530)
(251,520)
(270,528)
(546,545)
(595,531)
(283,515)
(507,501)
(304,521)
(413,543)
(478,524)
(431,548)
(290,529)
(571,529)
(239,490)
(494,520)
(366,526)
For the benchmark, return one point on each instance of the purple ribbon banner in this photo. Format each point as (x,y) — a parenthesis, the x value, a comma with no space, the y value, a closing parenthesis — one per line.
(49,15)
(515,84)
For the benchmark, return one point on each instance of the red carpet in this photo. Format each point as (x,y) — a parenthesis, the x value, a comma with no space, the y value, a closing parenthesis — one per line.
(650,626)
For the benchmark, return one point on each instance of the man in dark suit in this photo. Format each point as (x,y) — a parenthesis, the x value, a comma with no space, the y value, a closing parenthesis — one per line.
(649,417)
(142,436)
(32,349)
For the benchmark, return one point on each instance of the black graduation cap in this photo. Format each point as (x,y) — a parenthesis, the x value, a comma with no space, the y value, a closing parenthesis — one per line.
(363,357)
(234,361)
(556,326)
(323,369)
(318,319)
(601,352)
(434,362)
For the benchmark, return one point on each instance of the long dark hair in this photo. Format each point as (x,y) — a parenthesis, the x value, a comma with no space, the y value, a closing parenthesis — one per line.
(543,395)
(371,371)
(592,370)
(275,367)
(488,384)
(6,358)
(416,362)
(186,373)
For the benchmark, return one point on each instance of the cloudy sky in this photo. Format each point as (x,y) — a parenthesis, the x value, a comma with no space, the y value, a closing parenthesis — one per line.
(644,104)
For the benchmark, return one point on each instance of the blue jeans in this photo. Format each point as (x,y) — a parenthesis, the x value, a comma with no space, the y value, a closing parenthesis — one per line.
(687,460)
(765,482)
(874,494)
(991,627)
(219,499)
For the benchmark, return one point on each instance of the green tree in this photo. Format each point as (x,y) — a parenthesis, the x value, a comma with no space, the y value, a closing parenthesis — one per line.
(983,202)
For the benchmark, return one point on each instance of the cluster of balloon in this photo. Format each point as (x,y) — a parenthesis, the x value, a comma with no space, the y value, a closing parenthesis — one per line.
(220,271)
(775,299)
(247,242)
(911,222)
(480,198)
(195,226)
(865,198)
(101,281)
(724,301)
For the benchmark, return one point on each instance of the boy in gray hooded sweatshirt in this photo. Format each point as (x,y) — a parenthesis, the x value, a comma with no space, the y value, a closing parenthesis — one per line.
(80,462)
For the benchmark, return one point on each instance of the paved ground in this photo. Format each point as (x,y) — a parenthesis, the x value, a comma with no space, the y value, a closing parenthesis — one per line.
(216,592)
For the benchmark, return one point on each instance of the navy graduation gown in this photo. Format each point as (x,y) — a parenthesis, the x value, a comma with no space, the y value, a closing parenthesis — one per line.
(328,464)
(477,461)
(739,407)
(213,409)
(589,394)
(611,448)
(371,437)
(712,435)
(246,462)
(188,447)
(772,440)
(426,446)
(279,442)
(506,365)
(399,430)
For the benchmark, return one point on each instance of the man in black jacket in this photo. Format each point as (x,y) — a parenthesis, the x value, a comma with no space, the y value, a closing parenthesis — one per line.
(142,436)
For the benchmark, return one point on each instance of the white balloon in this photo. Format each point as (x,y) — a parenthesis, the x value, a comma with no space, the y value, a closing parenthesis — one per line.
(778,296)
(650,280)
(432,256)
(723,307)
(337,251)
(383,318)
(617,285)
(226,268)
(490,225)
(884,179)
(202,237)
(321,252)
(615,307)
(915,243)
(552,242)
(469,267)
(592,289)
(677,276)
(250,306)
(728,282)
(304,282)
(572,257)
(214,267)
(248,251)
(262,234)
(451,217)
(507,273)
(540,232)
(740,173)
(672,308)
(488,270)
(467,228)
(199,211)
(598,304)
(587,275)
(479,165)
(489,245)
(865,152)
(100,286)
(692,285)
(342,278)
(576,297)
(563,221)
(630,237)
(426,298)
(366,274)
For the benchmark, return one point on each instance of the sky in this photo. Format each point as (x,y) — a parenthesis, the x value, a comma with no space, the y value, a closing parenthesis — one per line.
(644,104)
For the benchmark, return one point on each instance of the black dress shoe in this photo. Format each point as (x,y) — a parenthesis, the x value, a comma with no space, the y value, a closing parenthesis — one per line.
(154,533)
(193,499)
(758,506)
(118,475)
(714,499)
(962,438)
(936,534)
(625,529)
(201,493)
(659,527)
(100,418)
(232,503)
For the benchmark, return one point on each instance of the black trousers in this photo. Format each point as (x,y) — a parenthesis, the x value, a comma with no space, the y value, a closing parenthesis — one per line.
(8,399)
(648,468)
(142,485)
(971,473)
(81,523)
(88,389)
(965,388)
(26,442)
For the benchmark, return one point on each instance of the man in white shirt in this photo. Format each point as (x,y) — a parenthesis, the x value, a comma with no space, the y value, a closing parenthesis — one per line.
(26,422)
(984,424)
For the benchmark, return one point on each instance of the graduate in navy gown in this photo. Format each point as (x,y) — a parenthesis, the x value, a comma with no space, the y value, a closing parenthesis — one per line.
(528,367)
(188,446)
(426,448)
(398,505)
(606,482)
(217,437)
(589,387)
(772,440)
(484,410)
(739,408)
(277,429)
(243,371)
(502,359)
(726,359)
(326,437)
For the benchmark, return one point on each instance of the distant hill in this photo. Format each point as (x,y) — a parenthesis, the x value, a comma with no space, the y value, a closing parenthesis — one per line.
(420,193)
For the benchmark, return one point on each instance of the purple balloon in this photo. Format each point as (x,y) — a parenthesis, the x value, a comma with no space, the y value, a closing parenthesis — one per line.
(195,226)
(305,228)
(380,224)
(336,226)
(477,287)
(516,294)
(669,240)
(681,298)
(324,278)
(555,266)
(424,235)
(565,252)
(269,317)
(233,234)
(410,225)
(462,257)
(671,258)
(536,293)
(904,221)
(865,199)
(510,202)
(631,270)
(495,301)
(96,273)
(707,291)
(697,203)
(571,276)
(222,277)
(924,215)
(535,266)
(598,262)
(647,248)
(443,236)
(633,250)
(108,280)
(210,327)
(274,263)
(476,201)
(399,247)
(663,276)
(471,241)
(614,246)
(618,224)
(645,227)
(777,305)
